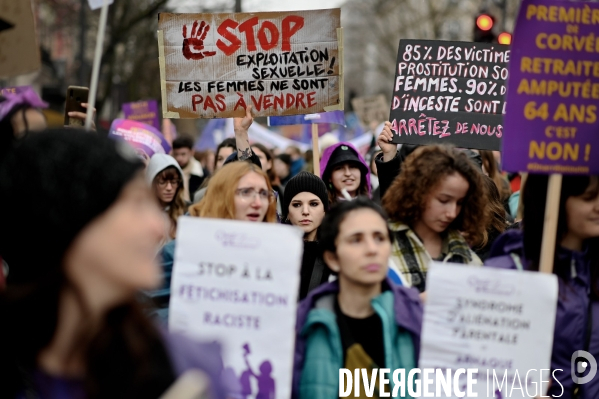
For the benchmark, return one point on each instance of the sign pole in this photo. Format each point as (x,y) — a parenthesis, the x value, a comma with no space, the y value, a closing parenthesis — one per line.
(554,188)
(315,150)
(93,87)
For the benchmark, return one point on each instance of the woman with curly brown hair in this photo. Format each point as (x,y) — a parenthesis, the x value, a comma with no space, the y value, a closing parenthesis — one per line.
(437,200)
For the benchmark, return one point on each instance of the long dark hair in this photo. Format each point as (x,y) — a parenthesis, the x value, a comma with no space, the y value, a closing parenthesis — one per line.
(7,132)
(177,206)
(270,172)
(534,198)
(497,221)
(124,358)
(493,170)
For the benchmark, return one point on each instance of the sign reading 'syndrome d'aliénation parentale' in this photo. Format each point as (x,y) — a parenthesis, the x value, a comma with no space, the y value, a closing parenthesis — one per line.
(551,121)
(280,63)
(449,93)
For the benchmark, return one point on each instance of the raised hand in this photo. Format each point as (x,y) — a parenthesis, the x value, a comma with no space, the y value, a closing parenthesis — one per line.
(384,141)
(193,46)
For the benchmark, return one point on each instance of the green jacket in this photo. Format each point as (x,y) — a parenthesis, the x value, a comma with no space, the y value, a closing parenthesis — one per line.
(324,351)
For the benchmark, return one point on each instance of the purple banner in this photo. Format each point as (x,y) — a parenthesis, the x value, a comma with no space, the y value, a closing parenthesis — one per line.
(551,117)
(309,119)
(143,111)
(146,140)
(14,90)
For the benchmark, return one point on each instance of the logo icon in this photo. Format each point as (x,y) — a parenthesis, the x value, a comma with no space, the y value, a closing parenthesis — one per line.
(581,360)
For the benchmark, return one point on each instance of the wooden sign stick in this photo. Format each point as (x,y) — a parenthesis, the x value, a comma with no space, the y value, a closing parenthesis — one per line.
(315,150)
(554,188)
(93,87)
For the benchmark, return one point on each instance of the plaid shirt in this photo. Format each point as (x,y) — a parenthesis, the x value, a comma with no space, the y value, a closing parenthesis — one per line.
(412,259)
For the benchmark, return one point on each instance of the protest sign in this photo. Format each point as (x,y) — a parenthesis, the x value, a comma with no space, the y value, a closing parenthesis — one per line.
(280,63)
(551,121)
(497,321)
(237,283)
(449,93)
(143,111)
(373,109)
(19,51)
(146,140)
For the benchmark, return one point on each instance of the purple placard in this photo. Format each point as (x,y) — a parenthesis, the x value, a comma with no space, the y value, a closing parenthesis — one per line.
(146,140)
(336,117)
(143,111)
(14,90)
(551,117)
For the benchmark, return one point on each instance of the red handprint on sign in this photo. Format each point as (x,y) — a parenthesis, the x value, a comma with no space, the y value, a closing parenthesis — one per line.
(193,46)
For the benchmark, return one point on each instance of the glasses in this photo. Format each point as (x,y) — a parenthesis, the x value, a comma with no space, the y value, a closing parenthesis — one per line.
(174,183)
(249,194)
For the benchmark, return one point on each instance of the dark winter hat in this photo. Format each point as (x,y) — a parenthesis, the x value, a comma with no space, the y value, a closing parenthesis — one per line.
(304,182)
(343,154)
(52,185)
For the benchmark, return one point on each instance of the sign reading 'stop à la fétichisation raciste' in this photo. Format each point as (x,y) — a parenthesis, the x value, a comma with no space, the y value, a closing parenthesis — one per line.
(280,63)
(450,93)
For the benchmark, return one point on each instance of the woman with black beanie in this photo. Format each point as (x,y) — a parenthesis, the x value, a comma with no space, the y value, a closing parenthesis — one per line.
(80,231)
(304,205)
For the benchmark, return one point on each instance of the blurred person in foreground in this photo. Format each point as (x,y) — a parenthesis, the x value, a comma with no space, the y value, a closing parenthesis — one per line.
(71,325)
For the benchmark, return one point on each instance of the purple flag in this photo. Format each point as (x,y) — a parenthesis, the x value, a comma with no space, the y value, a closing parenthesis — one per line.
(146,140)
(309,119)
(143,111)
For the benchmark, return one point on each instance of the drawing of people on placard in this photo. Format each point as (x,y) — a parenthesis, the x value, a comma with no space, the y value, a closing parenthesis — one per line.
(266,384)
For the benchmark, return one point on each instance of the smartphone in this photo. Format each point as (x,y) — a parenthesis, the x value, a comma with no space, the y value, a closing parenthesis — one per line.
(75,96)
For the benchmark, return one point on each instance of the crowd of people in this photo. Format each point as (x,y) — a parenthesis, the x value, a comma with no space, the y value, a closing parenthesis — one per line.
(88,235)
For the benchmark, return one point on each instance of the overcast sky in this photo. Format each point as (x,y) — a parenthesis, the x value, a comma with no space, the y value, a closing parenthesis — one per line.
(259,5)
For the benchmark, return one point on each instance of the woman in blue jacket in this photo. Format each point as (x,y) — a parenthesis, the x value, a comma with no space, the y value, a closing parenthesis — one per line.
(361,320)
(576,262)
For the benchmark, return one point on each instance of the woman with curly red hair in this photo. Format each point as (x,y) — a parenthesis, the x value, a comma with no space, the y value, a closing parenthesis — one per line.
(436,206)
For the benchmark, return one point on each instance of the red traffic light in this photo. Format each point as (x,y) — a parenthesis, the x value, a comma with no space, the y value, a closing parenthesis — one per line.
(505,38)
(484,22)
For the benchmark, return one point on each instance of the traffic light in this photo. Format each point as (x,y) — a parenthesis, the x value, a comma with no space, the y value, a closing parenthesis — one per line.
(483,28)
(504,38)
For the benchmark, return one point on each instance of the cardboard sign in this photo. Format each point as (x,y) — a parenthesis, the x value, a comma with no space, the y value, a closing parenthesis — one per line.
(237,283)
(449,93)
(19,51)
(143,111)
(373,109)
(336,117)
(280,63)
(551,121)
(146,140)
(497,321)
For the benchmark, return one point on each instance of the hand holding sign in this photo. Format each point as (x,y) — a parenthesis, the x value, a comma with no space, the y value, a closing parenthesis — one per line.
(196,42)
(385,141)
